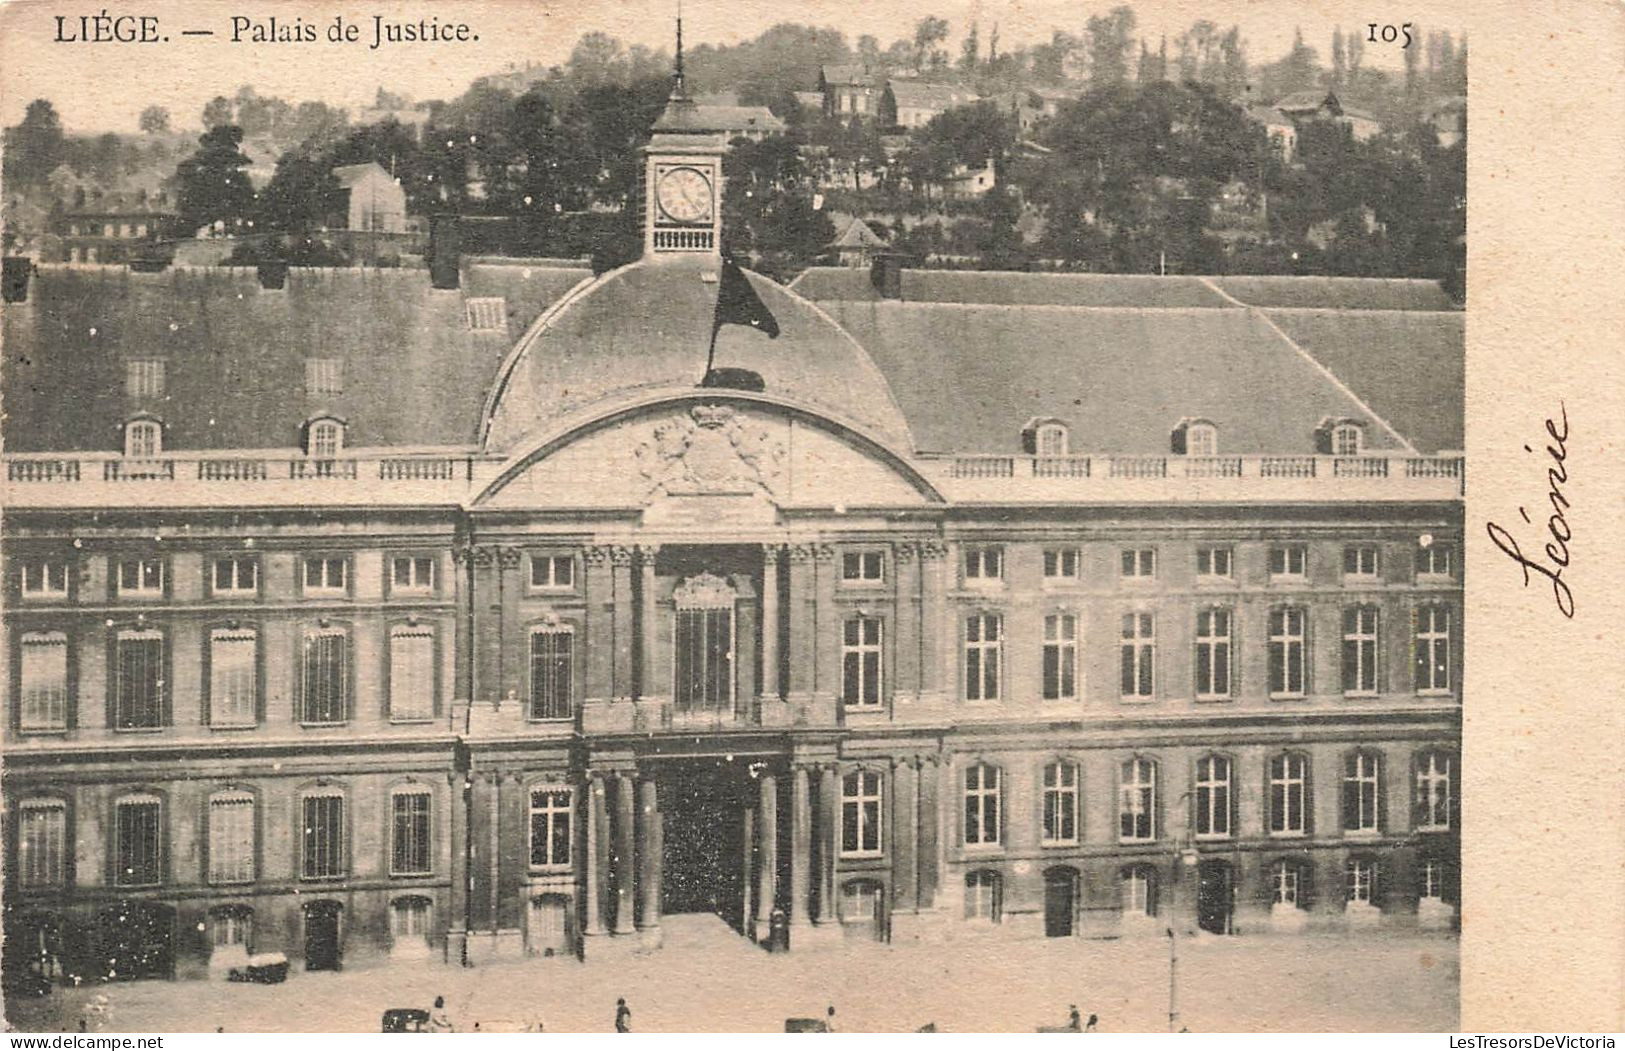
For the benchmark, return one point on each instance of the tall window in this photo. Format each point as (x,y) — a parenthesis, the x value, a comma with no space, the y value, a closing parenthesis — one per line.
(552,668)
(324,376)
(1432,649)
(43,681)
(860,813)
(705,659)
(322,840)
(1052,440)
(860,662)
(327,575)
(1212,654)
(1201,439)
(1061,565)
(1213,797)
(412,575)
(549,827)
(144,377)
(42,843)
(324,439)
(1289,561)
(44,579)
(411,672)
(1213,563)
(552,572)
(1362,779)
(1435,560)
(1139,886)
(1433,791)
(1137,801)
(326,677)
(981,805)
(1139,563)
(138,686)
(143,439)
(984,563)
(1060,656)
(984,896)
(984,641)
(1139,654)
(1060,803)
(231,837)
(863,567)
(235,575)
(233,677)
(1347,439)
(410,852)
(1288,668)
(1360,881)
(1289,794)
(138,841)
(141,577)
(1360,650)
(1361,560)
(1432,883)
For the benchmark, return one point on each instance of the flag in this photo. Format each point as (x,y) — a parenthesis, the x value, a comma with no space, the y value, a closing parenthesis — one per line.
(738,304)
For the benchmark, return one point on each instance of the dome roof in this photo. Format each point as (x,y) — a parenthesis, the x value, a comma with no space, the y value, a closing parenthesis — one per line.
(645,327)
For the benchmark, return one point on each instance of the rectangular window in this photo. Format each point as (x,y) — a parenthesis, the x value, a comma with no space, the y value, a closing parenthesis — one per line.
(138,686)
(236,576)
(1060,657)
(861,662)
(231,838)
(328,575)
(1213,654)
(551,672)
(141,578)
(43,681)
(1137,801)
(982,806)
(984,644)
(324,376)
(1362,775)
(1288,650)
(863,567)
(705,654)
(409,848)
(549,827)
(1061,565)
(1289,794)
(1286,881)
(487,314)
(552,572)
(1361,880)
(326,682)
(138,842)
(412,575)
(42,843)
(1213,797)
(984,564)
(144,378)
(233,677)
(1139,654)
(1433,792)
(322,842)
(1213,563)
(1060,804)
(983,897)
(1139,563)
(45,579)
(1362,560)
(1436,560)
(411,673)
(1360,650)
(1432,649)
(860,813)
(1289,561)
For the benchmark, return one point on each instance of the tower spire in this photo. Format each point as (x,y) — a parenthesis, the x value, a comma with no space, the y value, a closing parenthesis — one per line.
(678,89)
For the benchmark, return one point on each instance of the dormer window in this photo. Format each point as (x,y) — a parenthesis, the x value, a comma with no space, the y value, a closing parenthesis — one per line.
(1045,437)
(1347,439)
(324,438)
(1195,438)
(143,438)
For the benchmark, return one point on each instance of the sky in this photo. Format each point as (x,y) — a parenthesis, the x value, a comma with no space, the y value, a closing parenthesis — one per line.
(104,86)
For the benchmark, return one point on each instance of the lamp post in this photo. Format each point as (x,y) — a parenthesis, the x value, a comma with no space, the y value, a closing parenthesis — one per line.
(1173,979)
(1185,856)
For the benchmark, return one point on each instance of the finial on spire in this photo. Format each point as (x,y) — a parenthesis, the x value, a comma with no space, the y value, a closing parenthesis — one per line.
(678,90)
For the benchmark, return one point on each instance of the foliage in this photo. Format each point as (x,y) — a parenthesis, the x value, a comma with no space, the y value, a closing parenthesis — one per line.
(769,215)
(212,186)
(33,147)
(154,119)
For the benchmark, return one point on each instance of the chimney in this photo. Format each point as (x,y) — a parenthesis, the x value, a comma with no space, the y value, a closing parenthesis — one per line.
(445,247)
(887,275)
(14,282)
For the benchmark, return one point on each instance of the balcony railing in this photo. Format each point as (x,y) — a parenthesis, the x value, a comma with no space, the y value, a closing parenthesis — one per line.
(1080,476)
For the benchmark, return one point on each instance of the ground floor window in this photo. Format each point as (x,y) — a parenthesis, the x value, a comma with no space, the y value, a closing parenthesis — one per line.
(232,928)
(1361,880)
(409,918)
(984,896)
(1139,891)
(1288,883)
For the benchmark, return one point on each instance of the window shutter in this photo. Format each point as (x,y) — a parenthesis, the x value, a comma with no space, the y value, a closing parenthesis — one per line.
(1306,885)
(1323,439)
(1039,804)
(1176,441)
(1308,795)
(1418,804)
(1029,441)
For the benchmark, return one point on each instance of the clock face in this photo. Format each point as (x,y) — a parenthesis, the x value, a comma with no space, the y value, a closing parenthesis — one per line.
(685,195)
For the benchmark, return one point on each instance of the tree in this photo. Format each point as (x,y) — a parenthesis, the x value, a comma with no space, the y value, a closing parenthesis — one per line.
(212,184)
(1232,68)
(1339,60)
(929,32)
(154,120)
(35,146)
(1110,38)
(970,51)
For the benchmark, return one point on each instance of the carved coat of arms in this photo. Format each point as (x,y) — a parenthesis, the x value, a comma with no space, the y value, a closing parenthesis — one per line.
(712,450)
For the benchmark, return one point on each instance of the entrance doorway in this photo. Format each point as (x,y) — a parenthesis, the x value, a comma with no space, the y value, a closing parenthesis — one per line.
(1213,896)
(547,930)
(1060,902)
(138,940)
(702,809)
(863,910)
(322,935)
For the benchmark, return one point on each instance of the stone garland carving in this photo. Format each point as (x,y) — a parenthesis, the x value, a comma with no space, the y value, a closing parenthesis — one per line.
(486,555)
(710,449)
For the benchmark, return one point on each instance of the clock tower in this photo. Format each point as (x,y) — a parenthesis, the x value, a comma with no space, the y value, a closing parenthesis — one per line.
(682,187)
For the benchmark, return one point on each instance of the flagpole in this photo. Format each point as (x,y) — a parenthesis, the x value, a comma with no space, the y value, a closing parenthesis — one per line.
(711,355)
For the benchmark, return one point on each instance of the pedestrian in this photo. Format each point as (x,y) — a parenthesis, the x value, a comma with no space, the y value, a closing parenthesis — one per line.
(623,1016)
(1089,1026)
(1073,1018)
(829,1019)
(439,1019)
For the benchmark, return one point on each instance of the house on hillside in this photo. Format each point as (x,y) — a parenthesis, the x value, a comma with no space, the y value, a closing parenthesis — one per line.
(1281,131)
(857,244)
(722,114)
(107,228)
(965,182)
(912,104)
(849,91)
(1448,118)
(1301,106)
(374,199)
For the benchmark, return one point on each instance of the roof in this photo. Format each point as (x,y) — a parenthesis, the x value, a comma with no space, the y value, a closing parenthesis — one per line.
(121,204)
(1269,115)
(858,235)
(846,74)
(1007,288)
(350,174)
(1304,101)
(1349,293)
(737,118)
(916,95)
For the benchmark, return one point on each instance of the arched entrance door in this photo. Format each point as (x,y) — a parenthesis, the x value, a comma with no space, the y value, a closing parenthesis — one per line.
(1060,902)
(1214,895)
(322,952)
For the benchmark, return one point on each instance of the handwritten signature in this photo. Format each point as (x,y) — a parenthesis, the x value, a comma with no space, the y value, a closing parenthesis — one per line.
(1557,525)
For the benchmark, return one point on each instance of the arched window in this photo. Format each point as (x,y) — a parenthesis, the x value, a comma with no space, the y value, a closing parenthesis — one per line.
(411,846)
(43,678)
(1137,801)
(138,840)
(322,841)
(1139,885)
(324,438)
(1433,797)
(1288,794)
(1348,439)
(984,896)
(1362,793)
(1201,439)
(231,837)
(982,806)
(232,927)
(1052,439)
(42,843)
(1213,797)
(1060,803)
(143,438)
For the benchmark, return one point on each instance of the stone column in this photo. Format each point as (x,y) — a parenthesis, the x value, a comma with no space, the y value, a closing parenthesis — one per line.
(457,784)
(600,625)
(494,850)
(649,860)
(904,646)
(625,853)
(598,888)
(903,825)
(928,823)
(829,821)
(647,651)
(802,629)
(771,686)
(826,628)
(511,669)
(936,633)
(592,816)
(620,557)
(767,857)
(800,849)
